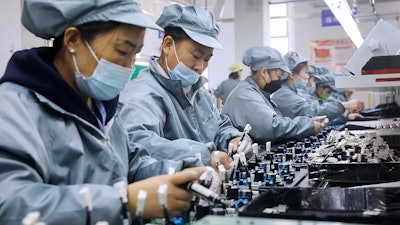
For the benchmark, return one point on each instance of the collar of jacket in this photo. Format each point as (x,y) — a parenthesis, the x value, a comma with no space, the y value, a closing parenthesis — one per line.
(34,70)
(251,81)
(287,85)
(175,86)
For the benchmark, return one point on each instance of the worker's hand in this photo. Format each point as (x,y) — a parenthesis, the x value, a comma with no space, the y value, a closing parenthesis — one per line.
(353,116)
(236,142)
(353,105)
(318,127)
(178,198)
(323,120)
(224,159)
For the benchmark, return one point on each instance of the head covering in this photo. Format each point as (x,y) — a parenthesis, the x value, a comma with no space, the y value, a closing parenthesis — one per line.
(293,59)
(235,67)
(259,57)
(199,24)
(317,70)
(49,18)
(325,80)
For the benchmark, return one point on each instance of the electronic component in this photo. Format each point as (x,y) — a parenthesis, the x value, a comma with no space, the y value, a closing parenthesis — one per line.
(203,192)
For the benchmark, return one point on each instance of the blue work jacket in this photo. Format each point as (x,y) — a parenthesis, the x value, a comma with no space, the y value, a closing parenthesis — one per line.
(291,103)
(248,104)
(171,124)
(50,149)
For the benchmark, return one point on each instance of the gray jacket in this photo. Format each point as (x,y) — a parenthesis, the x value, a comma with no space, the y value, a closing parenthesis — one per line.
(48,154)
(339,119)
(225,88)
(171,124)
(248,104)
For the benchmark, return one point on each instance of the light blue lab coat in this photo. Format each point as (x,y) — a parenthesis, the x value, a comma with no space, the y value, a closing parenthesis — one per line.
(171,124)
(329,104)
(248,104)
(48,154)
(292,103)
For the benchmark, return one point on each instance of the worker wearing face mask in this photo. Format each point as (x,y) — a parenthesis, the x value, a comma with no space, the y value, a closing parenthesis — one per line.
(312,71)
(291,99)
(325,85)
(60,133)
(250,102)
(166,108)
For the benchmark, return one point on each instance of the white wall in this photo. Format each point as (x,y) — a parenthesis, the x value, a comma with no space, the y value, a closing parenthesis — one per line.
(10,31)
(14,36)
(304,30)
(305,26)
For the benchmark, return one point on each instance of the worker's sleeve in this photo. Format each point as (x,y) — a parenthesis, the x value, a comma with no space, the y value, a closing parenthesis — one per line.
(27,172)
(250,106)
(144,118)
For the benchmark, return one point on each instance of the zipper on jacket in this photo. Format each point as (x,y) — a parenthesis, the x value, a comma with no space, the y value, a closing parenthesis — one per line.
(108,140)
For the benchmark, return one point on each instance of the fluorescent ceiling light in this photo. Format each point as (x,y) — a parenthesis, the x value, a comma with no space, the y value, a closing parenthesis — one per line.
(342,12)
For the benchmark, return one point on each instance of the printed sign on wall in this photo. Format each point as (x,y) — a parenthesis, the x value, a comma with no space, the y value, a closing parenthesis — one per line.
(332,54)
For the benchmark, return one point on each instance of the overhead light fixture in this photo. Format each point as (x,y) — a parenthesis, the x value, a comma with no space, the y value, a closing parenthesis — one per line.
(342,12)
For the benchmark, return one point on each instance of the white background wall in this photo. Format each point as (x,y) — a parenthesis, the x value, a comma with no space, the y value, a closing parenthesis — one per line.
(10,30)
(304,20)
(304,27)
(304,30)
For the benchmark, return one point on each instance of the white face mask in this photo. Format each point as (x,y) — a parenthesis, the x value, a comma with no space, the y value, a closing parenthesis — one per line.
(182,72)
(107,81)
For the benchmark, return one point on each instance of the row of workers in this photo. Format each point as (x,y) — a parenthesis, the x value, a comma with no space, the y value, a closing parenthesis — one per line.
(66,124)
(287,95)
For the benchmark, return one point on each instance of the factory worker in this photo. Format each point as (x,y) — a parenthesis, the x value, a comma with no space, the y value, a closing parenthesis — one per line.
(58,130)
(312,71)
(166,108)
(249,103)
(291,99)
(228,85)
(325,84)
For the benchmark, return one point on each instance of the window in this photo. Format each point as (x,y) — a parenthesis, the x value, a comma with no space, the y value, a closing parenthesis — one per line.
(279,27)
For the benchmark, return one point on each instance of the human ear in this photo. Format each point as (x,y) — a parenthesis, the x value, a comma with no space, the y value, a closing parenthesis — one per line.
(167,45)
(72,38)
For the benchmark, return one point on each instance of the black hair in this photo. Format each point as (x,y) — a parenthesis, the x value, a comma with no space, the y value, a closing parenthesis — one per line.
(299,67)
(234,75)
(269,71)
(89,31)
(177,33)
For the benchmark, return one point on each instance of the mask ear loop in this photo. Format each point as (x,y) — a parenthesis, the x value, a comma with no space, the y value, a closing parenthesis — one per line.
(176,55)
(72,51)
(166,59)
(91,51)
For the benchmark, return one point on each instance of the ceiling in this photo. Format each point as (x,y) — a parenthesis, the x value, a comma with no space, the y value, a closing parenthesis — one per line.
(155,7)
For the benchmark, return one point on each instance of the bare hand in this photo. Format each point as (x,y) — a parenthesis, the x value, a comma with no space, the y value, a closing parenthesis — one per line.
(236,143)
(178,198)
(323,120)
(318,127)
(224,159)
(353,105)
(353,116)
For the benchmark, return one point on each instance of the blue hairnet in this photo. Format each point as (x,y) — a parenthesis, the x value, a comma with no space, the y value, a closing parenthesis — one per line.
(199,24)
(49,18)
(293,59)
(259,57)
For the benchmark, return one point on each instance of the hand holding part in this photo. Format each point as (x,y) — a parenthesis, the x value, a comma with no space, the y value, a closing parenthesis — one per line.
(246,131)
(177,198)
(318,127)
(223,157)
